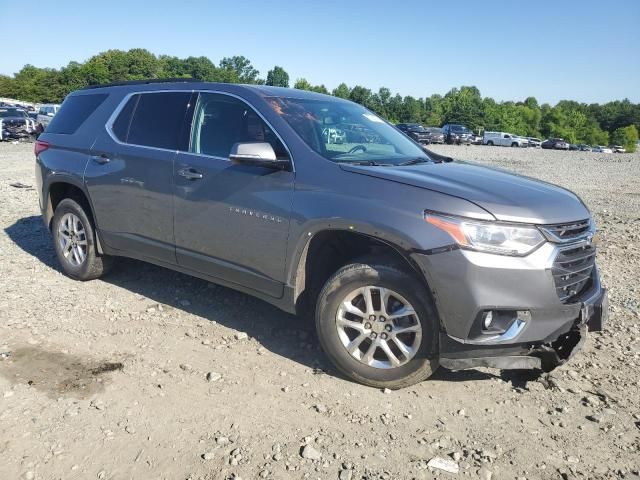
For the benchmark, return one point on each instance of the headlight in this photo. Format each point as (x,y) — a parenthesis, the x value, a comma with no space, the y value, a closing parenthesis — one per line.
(499,238)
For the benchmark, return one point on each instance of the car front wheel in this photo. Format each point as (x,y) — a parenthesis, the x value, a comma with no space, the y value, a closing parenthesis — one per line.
(378,326)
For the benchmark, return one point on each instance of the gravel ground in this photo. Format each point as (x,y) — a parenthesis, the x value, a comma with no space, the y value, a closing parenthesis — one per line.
(153,374)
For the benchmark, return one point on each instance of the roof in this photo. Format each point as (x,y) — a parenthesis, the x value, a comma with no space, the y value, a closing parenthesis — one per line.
(177,83)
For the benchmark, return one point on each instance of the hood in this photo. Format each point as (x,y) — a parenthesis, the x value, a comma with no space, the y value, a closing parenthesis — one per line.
(508,197)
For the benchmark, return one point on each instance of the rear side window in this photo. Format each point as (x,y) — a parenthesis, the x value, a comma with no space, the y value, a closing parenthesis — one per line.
(156,119)
(74,111)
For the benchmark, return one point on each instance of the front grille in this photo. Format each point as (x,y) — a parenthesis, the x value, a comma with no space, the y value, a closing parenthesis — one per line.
(567,231)
(573,271)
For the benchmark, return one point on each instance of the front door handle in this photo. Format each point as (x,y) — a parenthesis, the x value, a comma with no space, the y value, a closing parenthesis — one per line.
(190,173)
(100,159)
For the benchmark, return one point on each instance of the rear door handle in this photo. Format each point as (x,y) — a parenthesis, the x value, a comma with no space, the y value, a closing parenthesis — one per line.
(100,159)
(190,173)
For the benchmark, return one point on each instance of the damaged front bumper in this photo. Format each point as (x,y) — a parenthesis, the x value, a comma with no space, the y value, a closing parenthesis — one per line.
(541,356)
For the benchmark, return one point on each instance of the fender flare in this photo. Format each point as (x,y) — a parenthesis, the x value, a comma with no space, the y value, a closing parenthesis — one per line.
(54,178)
(402,244)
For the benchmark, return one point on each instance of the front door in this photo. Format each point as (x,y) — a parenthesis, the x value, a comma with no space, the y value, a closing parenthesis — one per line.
(231,221)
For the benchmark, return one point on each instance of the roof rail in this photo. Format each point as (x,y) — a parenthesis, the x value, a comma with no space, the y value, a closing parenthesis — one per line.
(143,82)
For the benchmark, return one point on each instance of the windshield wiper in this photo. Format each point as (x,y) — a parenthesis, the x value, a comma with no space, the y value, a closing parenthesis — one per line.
(365,163)
(415,161)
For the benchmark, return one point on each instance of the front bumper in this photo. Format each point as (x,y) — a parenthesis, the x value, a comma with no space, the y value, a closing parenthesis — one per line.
(465,284)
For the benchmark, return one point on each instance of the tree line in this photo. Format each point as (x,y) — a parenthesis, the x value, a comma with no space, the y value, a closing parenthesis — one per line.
(615,122)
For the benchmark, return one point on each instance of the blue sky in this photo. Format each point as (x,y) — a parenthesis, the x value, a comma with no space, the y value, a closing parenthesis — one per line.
(582,50)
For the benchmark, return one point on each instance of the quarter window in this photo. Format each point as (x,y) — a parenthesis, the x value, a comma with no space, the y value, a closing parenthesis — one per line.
(121,125)
(220,121)
(74,111)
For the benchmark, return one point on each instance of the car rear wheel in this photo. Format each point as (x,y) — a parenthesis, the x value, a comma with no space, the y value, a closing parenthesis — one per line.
(378,326)
(75,242)
(490,143)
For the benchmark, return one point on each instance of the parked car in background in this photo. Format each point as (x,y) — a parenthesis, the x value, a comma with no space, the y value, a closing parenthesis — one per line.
(45,114)
(573,146)
(415,131)
(583,147)
(456,134)
(534,142)
(436,135)
(601,149)
(504,139)
(406,261)
(476,139)
(618,149)
(15,124)
(555,144)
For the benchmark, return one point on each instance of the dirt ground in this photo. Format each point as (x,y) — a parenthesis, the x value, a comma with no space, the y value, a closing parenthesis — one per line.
(150,374)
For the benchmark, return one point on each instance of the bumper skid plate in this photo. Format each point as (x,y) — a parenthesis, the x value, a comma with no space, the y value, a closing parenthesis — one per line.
(546,357)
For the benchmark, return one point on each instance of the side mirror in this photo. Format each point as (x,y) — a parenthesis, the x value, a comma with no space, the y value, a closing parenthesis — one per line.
(259,154)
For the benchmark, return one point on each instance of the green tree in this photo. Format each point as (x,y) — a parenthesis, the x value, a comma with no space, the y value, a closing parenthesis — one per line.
(463,106)
(277,77)
(626,136)
(341,91)
(240,69)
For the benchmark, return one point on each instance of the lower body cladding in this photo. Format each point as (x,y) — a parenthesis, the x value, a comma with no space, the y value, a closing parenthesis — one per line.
(515,312)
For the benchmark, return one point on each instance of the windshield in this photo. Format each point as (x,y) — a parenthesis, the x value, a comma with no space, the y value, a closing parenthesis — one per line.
(460,128)
(346,132)
(12,112)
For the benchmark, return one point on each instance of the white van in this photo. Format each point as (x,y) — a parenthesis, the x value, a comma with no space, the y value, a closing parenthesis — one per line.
(504,139)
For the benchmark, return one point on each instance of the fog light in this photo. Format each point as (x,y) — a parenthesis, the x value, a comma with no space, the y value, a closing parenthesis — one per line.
(487,320)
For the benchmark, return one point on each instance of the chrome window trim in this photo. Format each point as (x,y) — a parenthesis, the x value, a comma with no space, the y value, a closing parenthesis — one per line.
(111,120)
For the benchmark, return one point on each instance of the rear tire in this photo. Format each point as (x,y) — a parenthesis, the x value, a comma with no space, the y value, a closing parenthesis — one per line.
(366,349)
(490,143)
(74,240)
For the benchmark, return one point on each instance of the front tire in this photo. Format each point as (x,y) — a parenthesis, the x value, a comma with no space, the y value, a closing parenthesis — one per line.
(378,325)
(75,242)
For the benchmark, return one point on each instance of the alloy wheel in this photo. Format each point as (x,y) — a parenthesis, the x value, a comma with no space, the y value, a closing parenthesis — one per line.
(72,238)
(378,327)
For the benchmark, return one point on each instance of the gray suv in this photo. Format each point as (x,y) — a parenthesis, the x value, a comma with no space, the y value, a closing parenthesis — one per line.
(406,259)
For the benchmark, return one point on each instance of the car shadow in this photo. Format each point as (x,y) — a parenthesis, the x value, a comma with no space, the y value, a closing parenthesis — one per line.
(281,333)
(287,335)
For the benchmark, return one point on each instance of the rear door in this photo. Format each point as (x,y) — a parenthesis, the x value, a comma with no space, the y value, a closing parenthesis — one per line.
(232,221)
(130,174)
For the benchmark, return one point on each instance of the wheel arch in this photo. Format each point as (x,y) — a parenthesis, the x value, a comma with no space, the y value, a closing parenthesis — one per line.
(60,187)
(326,250)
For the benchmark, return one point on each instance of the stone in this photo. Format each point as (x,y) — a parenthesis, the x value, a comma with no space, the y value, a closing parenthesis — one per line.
(208,456)
(345,475)
(310,453)
(444,464)
(241,336)
(213,376)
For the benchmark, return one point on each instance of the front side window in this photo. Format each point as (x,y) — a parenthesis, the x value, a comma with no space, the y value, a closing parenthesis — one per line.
(220,121)
(346,132)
